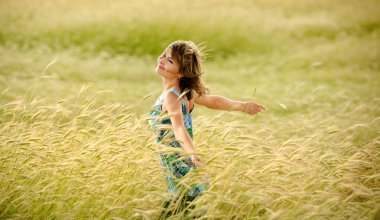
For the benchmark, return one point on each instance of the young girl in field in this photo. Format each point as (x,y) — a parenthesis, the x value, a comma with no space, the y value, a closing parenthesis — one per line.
(181,70)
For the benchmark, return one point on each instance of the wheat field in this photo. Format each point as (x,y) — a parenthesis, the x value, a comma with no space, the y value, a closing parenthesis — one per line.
(77,83)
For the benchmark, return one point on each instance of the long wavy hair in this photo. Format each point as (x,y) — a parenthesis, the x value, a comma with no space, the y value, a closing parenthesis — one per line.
(189,58)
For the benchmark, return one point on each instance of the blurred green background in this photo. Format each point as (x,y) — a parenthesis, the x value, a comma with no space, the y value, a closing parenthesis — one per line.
(315,65)
(297,53)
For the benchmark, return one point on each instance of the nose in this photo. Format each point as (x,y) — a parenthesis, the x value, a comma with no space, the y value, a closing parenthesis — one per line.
(161,60)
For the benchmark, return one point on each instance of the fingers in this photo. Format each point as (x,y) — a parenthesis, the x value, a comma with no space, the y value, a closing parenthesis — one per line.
(197,161)
(254,108)
(198,164)
(262,107)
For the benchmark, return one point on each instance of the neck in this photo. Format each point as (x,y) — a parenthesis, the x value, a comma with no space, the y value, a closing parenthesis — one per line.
(170,84)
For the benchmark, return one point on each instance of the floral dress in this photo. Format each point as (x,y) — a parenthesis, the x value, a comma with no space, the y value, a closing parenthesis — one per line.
(174,165)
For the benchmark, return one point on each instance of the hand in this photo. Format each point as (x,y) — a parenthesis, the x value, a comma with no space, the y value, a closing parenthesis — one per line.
(253,108)
(196,160)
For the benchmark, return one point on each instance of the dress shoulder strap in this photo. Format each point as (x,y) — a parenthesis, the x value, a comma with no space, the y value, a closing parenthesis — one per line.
(175,91)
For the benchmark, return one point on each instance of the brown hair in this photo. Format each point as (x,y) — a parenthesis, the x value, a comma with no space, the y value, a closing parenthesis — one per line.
(188,56)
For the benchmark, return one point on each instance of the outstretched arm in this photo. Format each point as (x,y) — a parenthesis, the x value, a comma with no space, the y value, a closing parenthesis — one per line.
(223,103)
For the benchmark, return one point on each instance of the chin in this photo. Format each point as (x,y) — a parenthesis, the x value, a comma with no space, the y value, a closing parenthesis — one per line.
(159,70)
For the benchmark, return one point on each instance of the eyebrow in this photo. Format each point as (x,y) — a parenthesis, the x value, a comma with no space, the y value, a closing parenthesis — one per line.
(170,58)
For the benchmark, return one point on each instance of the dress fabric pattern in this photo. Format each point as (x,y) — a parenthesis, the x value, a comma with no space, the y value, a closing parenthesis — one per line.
(174,165)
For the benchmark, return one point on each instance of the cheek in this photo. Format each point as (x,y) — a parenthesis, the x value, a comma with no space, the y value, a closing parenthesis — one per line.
(172,69)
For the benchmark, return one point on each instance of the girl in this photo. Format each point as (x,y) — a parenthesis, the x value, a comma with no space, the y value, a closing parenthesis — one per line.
(180,68)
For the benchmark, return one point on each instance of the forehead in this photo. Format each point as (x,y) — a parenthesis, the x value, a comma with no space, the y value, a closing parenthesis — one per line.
(168,51)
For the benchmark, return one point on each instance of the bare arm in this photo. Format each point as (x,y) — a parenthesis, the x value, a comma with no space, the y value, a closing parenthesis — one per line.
(223,103)
(174,108)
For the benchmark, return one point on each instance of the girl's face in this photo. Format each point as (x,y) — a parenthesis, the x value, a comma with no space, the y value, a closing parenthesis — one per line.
(167,66)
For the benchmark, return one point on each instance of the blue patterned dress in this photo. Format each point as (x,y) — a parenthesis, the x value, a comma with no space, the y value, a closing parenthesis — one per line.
(174,165)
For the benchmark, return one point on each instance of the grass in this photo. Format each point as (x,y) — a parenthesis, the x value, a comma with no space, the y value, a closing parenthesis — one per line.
(77,83)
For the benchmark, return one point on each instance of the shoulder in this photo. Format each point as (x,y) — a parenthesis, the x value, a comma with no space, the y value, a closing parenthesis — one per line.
(171,97)
(204,99)
(196,96)
(172,103)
